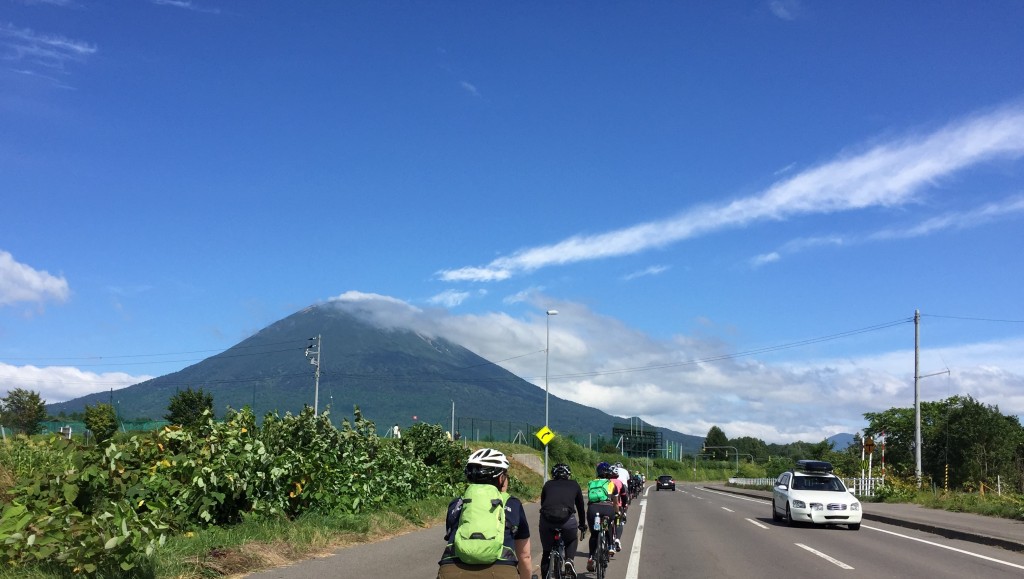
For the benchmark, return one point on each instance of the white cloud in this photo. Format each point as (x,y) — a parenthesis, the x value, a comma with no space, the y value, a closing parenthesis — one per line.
(690,384)
(785,9)
(1008,208)
(60,383)
(990,212)
(48,50)
(886,175)
(21,283)
(470,88)
(453,298)
(759,260)
(653,270)
(186,5)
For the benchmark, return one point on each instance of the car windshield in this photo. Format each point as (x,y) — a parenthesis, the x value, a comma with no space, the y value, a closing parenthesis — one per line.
(817,483)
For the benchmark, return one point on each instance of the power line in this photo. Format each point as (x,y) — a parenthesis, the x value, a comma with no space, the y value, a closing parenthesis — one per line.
(973,319)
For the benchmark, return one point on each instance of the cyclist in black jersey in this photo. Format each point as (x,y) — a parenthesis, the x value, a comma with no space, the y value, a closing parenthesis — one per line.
(561,507)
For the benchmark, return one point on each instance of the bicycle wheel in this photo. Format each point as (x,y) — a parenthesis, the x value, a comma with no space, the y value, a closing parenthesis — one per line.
(601,558)
(556,564)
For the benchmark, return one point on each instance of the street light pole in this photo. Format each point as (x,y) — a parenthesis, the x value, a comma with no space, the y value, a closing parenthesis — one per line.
(547,352)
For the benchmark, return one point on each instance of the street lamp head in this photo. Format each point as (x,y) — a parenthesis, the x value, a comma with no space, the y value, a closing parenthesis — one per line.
(552,312)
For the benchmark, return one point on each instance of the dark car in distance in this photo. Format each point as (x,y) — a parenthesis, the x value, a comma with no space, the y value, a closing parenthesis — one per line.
(666,481)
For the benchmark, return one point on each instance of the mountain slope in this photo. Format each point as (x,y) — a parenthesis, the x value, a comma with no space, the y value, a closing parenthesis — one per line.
(392,374)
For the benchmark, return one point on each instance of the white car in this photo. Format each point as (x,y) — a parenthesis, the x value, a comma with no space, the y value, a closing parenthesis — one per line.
(810,493)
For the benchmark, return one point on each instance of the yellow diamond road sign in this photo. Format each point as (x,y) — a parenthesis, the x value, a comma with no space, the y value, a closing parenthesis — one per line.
(545,435)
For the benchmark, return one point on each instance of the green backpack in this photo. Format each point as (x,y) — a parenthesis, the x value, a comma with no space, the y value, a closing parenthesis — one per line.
(597,490)
(480,536)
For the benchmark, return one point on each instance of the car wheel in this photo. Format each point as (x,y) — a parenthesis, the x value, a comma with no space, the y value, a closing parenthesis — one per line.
(789,517)
(854,526)
(775,514)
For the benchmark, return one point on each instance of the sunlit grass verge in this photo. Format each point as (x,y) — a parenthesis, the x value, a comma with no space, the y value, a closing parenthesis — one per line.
(263,544)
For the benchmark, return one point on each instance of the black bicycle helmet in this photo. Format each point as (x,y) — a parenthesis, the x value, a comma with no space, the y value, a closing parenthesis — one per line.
(561,471)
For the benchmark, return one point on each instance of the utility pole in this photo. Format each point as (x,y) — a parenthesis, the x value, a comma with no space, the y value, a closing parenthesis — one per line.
(917,395)
(313,353)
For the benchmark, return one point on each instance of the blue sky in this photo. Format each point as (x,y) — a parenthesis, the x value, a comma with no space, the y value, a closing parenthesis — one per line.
(716,197)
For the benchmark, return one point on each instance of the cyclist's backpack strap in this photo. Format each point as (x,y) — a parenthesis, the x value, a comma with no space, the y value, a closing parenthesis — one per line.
(480,536)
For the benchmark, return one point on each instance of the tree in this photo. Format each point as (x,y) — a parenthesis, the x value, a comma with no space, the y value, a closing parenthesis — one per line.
(716,437)
(976,441)
(23,410)
(101,420)
(186,407)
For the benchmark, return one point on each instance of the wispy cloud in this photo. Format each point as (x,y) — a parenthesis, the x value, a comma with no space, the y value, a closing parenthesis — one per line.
(785,9)
(186,5)
(470,88)
(21,283)
(48,50)
(453,298)
(886,175)
(1008,208)
(795,246)
(653,270)
(988,213)
(31,51)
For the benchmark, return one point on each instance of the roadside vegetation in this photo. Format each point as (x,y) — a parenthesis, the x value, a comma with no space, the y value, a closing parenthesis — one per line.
(223,498)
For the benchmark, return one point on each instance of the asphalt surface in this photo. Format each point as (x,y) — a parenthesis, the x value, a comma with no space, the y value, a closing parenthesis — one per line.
(997,532)
(423,547)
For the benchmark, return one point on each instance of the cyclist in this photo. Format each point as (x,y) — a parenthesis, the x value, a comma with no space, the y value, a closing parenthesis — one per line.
(603,506)
(623,475)
(620,520)
(490,466)
(561,502)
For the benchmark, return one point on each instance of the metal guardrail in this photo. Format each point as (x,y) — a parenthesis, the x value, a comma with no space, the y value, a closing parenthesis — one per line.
(860,486)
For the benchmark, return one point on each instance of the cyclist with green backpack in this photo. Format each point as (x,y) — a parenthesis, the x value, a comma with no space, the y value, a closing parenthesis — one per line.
(486,529)
(602,502)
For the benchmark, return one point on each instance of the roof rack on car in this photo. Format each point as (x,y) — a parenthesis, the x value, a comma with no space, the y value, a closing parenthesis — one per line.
(814,466)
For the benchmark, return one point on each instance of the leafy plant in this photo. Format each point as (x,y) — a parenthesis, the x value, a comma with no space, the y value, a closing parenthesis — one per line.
(101,420)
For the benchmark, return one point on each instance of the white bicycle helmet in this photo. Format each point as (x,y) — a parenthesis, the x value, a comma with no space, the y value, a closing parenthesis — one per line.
(485,464)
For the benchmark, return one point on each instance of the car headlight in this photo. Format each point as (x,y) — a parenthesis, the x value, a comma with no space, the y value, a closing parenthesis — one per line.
(817,507)
(799,504)
(854,506)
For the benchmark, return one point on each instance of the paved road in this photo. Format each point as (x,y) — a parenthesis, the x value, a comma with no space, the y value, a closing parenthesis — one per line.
(716,531)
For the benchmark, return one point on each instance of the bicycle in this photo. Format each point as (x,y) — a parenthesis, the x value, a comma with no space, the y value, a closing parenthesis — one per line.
(558,566)
(601,561)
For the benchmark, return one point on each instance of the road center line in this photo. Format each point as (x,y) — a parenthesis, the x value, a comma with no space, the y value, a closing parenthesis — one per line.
(832,560)
(752,521)
(728,509)
(926,542)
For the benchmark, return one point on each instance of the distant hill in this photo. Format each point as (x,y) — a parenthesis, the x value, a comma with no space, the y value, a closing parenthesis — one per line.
(391,374)
(841,441)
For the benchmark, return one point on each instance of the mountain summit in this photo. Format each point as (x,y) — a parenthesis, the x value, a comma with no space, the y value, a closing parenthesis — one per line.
(396,375)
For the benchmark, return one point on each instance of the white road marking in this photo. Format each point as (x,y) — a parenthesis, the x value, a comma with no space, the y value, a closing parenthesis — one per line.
(727,509)
(757,523)
(832,560)
(732,496)
(633,569)
(940,545)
